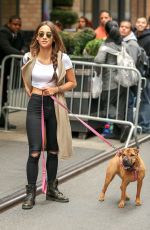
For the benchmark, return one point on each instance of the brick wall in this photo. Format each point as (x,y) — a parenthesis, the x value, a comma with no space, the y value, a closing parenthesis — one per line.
(76,5)
(7,11)
(31,13)
(137,9)
(148,8)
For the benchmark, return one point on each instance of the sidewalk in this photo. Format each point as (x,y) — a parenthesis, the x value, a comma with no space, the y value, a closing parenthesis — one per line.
(84,211)
(14,154)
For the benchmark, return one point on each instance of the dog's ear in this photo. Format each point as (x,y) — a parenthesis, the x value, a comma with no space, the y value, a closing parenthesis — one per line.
(120,152)
(136,151)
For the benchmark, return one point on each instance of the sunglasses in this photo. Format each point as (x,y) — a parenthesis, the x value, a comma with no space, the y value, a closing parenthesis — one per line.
(48,34)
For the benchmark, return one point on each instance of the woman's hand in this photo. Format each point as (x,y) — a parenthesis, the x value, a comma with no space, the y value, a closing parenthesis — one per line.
(50,90)
(70,84)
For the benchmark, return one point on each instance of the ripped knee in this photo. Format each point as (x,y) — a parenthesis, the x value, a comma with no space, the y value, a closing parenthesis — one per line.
(49,152)
(35,154)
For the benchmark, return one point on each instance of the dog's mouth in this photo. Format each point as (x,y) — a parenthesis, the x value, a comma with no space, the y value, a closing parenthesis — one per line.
(128,165)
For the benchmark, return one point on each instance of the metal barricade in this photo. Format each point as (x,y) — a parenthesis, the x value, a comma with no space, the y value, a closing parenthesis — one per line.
(84,71)
(17,98)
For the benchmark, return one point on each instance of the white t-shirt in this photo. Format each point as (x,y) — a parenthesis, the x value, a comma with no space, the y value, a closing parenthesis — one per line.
(42,74)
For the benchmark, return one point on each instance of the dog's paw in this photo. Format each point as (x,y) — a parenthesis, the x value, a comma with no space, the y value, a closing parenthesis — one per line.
(121,204)
(138,202)
(127,198)
(101,196)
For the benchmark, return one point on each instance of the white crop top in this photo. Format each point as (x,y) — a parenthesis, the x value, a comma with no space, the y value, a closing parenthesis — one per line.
(42,74)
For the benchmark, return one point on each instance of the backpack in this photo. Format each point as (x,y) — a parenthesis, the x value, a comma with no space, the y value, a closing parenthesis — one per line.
(143,63)
(124,77)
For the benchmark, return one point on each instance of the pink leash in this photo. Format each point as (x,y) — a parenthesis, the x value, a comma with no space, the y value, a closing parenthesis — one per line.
(84,123)
(44,184)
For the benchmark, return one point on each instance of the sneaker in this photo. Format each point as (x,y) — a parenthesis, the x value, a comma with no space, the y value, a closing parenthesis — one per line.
(112,136)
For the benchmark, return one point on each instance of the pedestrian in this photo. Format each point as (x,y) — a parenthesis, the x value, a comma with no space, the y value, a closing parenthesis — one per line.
(11,42)
(104,16)
(143,37)
(143,34)
(84,23)
(110,86)
(134,51)
(58,26)
(44,72)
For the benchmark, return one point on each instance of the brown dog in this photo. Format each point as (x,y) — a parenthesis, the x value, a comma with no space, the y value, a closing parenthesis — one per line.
(130,167)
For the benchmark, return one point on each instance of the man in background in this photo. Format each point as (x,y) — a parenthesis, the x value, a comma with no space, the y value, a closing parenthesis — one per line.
(143,37)
(134,51)
(104,16)
(11,42)
(130,39)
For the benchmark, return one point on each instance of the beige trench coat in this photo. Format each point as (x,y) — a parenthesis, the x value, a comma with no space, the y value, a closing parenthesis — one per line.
(64,136)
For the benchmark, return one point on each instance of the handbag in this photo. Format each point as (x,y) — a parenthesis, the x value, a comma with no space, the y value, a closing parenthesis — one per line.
(96,85)
(124,77)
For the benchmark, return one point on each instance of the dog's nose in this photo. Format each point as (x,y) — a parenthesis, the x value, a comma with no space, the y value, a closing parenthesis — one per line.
(125,159)
(126,162)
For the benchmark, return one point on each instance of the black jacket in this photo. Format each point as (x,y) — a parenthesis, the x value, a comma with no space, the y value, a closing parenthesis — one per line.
(144,41)
(10,43)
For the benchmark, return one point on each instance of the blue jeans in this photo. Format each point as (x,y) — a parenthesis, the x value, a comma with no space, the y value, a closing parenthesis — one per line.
(144,111)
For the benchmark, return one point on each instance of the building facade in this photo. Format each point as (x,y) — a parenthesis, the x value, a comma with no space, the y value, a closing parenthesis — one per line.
(33,11)
(119,9)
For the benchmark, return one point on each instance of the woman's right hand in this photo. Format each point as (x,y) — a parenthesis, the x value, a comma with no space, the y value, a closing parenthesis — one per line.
(50,90)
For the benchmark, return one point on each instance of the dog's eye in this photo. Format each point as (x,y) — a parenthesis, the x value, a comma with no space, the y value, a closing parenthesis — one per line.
(132,155)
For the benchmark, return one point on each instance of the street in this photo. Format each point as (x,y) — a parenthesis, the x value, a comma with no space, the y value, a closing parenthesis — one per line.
(84,211)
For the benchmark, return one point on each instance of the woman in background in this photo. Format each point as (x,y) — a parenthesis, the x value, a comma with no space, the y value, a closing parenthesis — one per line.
(84,23)
(114,41)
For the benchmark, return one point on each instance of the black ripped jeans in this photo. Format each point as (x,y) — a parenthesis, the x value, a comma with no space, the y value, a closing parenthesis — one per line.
(34,133)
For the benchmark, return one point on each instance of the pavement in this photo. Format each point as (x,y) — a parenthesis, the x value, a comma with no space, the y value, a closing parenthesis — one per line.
(14,154)
(84,211)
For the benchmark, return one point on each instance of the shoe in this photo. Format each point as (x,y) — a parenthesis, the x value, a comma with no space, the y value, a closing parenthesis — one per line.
(2,123)
(29,200)
(124,134)
(54,194)
(112,136)
(9,126)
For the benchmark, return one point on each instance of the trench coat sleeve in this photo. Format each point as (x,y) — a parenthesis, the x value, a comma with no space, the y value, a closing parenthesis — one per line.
(101,56)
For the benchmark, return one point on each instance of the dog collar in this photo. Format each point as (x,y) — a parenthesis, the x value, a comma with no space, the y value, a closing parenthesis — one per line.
(133,170)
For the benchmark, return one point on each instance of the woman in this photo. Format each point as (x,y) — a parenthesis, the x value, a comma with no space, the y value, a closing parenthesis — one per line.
(113,41)
(58,26)
(84,23)
(44,71)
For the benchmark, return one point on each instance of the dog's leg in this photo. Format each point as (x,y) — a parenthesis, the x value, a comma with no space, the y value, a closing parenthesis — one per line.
(123,194)
(108,179)
(139,186)
(127,197)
